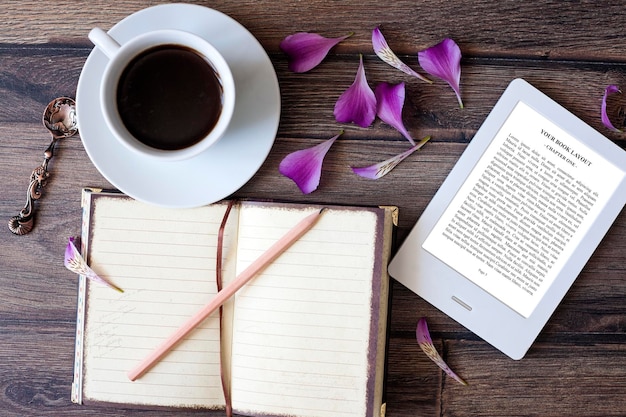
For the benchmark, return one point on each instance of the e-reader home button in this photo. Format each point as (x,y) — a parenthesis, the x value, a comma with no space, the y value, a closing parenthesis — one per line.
(462,303)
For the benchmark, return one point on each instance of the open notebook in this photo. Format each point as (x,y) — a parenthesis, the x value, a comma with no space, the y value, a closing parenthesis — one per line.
(306,337)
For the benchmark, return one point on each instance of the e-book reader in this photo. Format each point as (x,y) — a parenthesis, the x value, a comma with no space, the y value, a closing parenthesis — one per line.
(516,220)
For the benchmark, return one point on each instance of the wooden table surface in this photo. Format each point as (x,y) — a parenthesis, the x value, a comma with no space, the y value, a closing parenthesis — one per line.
(569,49)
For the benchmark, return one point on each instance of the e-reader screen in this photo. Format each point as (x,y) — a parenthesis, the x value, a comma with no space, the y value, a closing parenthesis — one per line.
(523,209)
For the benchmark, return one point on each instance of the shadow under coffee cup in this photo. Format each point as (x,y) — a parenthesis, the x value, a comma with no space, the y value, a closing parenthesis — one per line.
(166,94)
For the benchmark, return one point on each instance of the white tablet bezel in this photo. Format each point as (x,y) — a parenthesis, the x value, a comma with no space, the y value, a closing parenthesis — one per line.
(456,295)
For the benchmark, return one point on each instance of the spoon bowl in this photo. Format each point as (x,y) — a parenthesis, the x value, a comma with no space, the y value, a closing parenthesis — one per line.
(59,118)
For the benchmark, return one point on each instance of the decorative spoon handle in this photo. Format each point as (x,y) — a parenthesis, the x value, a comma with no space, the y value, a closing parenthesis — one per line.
(24,221)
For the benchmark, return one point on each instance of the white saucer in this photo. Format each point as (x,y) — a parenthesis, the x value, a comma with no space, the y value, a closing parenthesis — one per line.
(227,165)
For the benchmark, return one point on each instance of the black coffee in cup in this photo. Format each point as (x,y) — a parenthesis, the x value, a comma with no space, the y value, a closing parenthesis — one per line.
(169,97)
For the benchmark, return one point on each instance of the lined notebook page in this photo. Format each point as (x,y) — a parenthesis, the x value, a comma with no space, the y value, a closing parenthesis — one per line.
(301,327)
(164,260)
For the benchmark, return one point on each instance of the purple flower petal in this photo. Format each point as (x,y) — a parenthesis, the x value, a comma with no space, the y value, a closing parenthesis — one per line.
(611,89)
(426,343)
(444,61)
(75,263)
(376,171)
(306,50)
(304,167)
(384,52)
(358,103)
(389,104)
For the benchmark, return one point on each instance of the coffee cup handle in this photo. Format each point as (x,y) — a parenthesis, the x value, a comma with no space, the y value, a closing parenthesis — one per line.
(104,42)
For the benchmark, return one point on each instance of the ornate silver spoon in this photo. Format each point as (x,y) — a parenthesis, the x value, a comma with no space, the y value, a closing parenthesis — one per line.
(60,119)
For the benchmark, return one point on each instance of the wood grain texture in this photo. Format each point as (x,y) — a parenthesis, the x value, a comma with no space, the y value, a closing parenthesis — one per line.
(571,50)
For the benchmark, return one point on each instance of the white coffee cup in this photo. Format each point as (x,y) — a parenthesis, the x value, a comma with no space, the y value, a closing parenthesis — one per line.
(202,124)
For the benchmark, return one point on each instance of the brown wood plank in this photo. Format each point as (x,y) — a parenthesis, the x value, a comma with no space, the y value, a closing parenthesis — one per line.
(589,382)
(589,30)
(31,78)
(413,381)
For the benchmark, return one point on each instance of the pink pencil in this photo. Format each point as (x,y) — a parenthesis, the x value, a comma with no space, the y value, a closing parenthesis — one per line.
(221,297)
